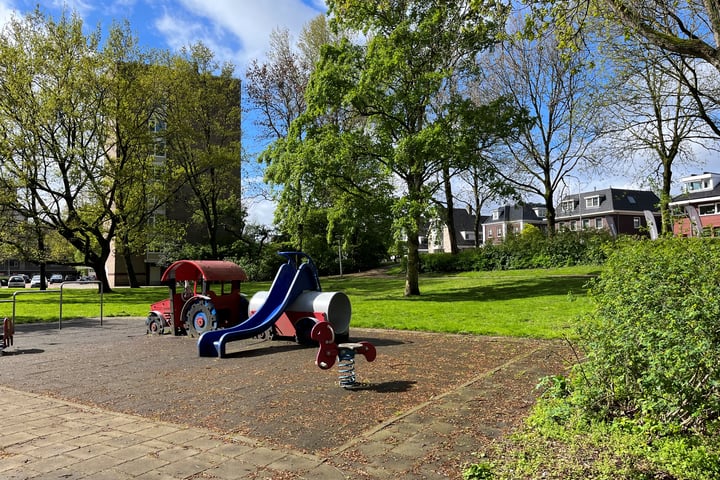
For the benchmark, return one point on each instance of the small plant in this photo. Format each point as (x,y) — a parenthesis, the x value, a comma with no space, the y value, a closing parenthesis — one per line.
(478,471)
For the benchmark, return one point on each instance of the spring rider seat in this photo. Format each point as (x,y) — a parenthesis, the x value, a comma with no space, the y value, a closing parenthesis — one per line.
(344,353)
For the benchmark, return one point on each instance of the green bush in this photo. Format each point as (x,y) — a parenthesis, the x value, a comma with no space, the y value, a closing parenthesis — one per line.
(439,263)
(530,249)
(653,343)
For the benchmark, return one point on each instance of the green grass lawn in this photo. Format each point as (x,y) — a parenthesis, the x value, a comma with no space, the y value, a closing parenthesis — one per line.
(528,303)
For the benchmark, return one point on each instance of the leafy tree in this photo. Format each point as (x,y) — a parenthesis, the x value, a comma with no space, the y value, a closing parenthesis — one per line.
(651,110)
(56,140)
(319,201)
(388,93)
(557,87)
(276,93)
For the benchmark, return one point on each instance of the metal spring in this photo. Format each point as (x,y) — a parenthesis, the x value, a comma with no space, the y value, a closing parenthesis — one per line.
(346,368)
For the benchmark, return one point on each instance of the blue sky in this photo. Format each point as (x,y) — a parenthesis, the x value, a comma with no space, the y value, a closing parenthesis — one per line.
(237,31)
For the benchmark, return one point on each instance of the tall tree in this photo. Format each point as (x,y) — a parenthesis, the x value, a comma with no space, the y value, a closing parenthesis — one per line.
(557,88)
(56,140)
(389,87)
(276,94)
(651,111)
(202,111)
(313,193)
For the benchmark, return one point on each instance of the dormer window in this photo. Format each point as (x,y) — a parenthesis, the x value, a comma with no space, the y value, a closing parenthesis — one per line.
(541,212)
(496,215)
(567,206)
(592,202)
(697,185)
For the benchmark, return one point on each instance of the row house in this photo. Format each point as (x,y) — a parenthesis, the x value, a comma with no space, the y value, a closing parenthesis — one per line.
(438,239)
(697,209)
(620,211)
(512,219)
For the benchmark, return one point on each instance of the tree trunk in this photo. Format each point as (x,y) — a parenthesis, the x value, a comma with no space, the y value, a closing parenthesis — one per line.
(101,275)
(132,277)
(665,216)
(412,275)
(478,206)
(549,197)
(43,265)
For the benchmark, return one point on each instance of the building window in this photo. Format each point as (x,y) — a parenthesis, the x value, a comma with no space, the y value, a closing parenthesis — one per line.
(698,185)
(708,209)
(467,235)
(586,224)
(496,215)
(573,225)
(598,223)
(490,233)
(540,212)
(592,202)
(157,130)
(567,206)
(636,222)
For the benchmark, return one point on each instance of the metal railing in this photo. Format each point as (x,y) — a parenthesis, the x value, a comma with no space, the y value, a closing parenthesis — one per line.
(60,292)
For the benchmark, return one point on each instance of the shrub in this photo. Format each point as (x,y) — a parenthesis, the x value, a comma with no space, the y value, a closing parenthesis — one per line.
(530,249)
(439,263)
(653,343)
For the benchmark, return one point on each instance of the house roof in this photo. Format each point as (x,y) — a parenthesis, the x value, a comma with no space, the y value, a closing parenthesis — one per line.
(690,197)
(516,213)
(611,200)
(464,221)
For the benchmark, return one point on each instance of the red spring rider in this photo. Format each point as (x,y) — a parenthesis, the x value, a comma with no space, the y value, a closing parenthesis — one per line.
(343,353)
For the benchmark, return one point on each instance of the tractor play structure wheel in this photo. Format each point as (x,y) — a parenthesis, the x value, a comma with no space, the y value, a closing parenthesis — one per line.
(154,324)
(200,317)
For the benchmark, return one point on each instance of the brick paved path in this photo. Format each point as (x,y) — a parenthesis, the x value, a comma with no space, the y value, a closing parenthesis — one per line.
(91,402)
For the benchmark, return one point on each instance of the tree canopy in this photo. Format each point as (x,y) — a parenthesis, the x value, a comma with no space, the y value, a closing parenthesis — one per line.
(381,110)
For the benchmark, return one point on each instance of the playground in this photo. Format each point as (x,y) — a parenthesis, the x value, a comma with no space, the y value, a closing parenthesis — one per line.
(427,402)
(408,402)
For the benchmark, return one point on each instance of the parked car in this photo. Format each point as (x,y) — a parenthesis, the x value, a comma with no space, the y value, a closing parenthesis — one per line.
(35,281)
(16,281)
(56,278)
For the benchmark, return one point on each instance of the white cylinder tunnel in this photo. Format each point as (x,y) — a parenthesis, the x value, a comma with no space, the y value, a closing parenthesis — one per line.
(335,305)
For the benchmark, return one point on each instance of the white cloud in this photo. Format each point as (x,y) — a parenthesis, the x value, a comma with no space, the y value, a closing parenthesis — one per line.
(236,30)
(260,212)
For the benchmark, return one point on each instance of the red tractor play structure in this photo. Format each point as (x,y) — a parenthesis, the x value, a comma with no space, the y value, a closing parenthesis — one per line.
(197,307)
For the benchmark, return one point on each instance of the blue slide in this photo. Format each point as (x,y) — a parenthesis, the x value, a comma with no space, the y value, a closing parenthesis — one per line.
(290,281)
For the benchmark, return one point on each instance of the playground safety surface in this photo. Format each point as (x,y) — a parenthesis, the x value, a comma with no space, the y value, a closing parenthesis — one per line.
(92,401)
